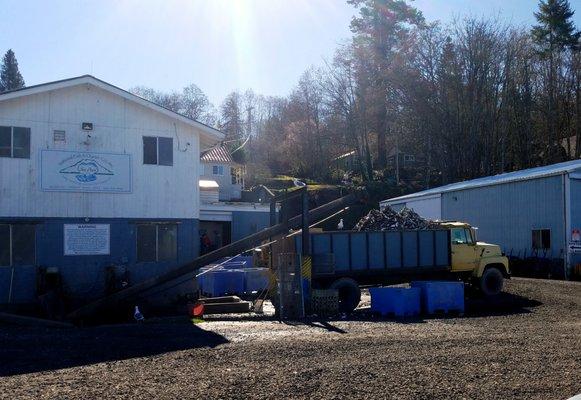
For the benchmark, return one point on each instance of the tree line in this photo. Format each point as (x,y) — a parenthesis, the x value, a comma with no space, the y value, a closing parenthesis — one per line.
(470,98)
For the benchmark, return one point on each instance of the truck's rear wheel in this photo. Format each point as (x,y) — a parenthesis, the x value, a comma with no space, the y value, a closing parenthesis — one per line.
(491,282)
(349,294)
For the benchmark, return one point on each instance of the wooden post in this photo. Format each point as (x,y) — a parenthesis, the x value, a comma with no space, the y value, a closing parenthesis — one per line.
(306,243)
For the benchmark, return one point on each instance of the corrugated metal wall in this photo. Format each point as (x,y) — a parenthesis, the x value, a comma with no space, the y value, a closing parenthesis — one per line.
(507,213)
(430,207)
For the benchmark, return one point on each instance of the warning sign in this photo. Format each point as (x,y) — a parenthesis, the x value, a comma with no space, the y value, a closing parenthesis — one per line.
(86,239)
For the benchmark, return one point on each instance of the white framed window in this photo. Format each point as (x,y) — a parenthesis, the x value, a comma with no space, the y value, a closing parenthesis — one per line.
(59,136)
(218,170)
(157,150)
(157,242)
(14,142)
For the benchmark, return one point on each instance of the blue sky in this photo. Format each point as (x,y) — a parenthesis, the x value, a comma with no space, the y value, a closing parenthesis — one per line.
(220,45)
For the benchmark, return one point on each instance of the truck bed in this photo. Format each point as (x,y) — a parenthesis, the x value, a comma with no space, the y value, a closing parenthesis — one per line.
(373,256)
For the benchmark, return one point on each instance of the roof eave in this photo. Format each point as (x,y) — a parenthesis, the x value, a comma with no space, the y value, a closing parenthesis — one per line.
(429,192)
(208,132)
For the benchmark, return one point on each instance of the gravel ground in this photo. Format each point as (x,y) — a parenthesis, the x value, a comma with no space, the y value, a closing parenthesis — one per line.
(525,345)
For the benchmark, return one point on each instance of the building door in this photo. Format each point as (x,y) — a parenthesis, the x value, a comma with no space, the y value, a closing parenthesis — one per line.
(214,234)
(463,250)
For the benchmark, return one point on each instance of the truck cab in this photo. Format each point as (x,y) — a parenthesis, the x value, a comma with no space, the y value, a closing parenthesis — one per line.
(480,262)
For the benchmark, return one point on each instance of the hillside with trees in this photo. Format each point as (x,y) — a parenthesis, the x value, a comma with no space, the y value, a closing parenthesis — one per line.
(472,98)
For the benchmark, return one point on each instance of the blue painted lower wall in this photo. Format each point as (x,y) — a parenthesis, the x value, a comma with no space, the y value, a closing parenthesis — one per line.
(83,277)
(246,223)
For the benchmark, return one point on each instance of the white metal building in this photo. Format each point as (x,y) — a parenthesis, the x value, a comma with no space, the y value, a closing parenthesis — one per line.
(535,212)
(93,176)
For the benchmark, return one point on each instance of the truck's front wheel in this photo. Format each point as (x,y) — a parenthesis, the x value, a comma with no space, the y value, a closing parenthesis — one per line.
(349,294)
(491,282)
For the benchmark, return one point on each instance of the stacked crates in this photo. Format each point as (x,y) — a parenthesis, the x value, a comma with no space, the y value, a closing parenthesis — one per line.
(325,302)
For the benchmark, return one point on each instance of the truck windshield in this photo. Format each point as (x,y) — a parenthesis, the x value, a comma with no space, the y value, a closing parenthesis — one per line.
(459,236)
(469,237)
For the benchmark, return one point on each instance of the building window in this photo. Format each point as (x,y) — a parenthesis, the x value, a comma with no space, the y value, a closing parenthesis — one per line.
(17,244)
(157,242)
(541,239)
(409,157)
(59,136)
(157,150)
(218,170)
(14,142)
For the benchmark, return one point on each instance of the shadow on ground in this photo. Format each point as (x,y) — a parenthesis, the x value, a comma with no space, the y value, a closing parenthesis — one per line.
(26,350)
(503,304)
(316,323)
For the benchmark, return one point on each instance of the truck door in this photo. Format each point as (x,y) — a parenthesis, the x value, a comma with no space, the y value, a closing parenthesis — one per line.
(463,250)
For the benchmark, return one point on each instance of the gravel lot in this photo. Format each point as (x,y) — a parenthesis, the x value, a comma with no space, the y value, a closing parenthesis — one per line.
(526,345)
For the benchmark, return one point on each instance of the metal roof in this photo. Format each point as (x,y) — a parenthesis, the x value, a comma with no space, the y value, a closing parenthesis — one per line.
(208,131)
(208,184)
(522,175)
(217,154)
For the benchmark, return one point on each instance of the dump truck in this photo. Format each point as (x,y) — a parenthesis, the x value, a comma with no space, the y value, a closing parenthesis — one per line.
(347,260)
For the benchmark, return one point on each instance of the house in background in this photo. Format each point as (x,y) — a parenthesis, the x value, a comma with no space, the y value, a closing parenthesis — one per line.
(224,217)
(219,166)
(404,159)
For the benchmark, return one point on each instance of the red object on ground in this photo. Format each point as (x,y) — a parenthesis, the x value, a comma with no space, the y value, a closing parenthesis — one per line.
(196,310)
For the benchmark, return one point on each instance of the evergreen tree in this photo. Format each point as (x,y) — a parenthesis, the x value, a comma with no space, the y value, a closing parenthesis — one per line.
(382,30)
(10,77)
(555,30)
(232,120)
(554,33)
